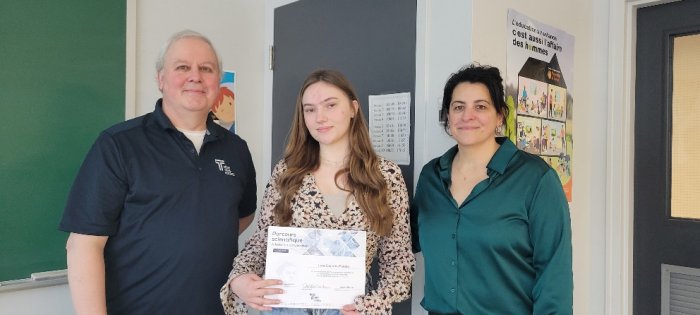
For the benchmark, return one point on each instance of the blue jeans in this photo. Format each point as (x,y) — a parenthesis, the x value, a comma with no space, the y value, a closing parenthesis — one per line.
(300,311)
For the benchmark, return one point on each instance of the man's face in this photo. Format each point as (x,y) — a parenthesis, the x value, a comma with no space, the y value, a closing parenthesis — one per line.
(189,80)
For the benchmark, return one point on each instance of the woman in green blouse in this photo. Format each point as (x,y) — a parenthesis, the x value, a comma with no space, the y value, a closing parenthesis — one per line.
(492,221)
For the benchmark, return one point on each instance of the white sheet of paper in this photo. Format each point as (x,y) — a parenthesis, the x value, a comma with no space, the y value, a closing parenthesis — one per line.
(390,126)
(320,268)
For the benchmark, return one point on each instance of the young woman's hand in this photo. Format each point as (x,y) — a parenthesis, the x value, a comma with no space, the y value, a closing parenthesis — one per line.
(349,309)
(252,290)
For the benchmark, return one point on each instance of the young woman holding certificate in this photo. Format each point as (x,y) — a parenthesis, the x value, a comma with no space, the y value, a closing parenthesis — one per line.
(330,178)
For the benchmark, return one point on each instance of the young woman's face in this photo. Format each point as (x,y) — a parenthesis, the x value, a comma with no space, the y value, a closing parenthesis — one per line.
(472,117)
(327,113)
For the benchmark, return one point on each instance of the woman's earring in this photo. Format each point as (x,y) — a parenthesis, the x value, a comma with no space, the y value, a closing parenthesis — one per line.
(499,130)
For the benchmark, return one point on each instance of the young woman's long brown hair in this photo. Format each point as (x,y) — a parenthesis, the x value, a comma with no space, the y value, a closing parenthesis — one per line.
(302,156)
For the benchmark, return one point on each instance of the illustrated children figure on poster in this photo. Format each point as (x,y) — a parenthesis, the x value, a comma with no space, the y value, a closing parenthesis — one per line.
(553,142)
(529,134)
(224,109)
(532,98)
(556,103)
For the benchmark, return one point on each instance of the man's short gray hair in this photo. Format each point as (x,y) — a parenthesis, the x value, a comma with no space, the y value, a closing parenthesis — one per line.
(160,61)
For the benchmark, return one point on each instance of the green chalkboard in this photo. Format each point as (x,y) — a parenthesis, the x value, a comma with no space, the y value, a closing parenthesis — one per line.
(62,77)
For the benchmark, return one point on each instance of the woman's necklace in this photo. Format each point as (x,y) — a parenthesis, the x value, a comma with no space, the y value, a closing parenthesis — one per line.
(462,174)
(335,163)
(467,173)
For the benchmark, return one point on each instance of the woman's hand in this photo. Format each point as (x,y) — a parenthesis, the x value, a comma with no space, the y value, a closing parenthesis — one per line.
(252,290)
(349,309)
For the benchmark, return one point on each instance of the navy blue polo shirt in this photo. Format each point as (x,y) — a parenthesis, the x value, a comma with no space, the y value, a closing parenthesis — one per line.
(171,215)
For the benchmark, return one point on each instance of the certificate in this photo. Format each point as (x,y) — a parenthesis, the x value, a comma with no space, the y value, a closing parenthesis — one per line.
(319,268)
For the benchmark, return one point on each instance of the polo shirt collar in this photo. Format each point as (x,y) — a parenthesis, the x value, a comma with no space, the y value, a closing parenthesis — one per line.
(498,163)
(160,118)
(164,122)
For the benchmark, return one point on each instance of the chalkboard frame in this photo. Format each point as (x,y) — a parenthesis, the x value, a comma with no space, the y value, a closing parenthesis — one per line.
(64,81)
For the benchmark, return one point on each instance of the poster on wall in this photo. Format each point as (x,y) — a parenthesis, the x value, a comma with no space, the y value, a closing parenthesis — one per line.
(539,92)
(224,109)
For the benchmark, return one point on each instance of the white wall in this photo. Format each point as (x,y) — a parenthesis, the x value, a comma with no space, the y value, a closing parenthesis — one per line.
(237,31)
(443,45)
(450,33)
(587,21)
(448,43)
(236,28)
(54,300)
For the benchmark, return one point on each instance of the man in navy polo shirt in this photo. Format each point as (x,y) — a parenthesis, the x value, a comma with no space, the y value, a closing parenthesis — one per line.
(156,209)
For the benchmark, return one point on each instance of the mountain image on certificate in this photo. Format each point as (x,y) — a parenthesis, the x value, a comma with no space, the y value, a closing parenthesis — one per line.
(340,243)
(319,268)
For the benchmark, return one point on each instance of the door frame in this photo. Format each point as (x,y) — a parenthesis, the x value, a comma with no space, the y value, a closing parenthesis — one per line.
(270,6)
(421,92)
(130,104)
(620,154)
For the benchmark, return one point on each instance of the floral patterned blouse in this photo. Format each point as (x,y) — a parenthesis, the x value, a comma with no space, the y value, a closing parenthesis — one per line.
(396,261)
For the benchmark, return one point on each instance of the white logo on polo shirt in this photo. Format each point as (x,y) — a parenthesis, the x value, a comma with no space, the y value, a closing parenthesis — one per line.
(224,168)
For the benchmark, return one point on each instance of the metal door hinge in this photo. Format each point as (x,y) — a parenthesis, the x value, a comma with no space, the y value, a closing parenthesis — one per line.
(271,58)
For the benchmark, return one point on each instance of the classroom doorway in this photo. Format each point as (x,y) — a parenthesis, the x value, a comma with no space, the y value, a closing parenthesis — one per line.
(666,272)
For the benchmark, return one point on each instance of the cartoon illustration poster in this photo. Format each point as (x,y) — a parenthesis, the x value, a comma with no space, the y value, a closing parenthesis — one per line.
(539,85)
(224,110)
